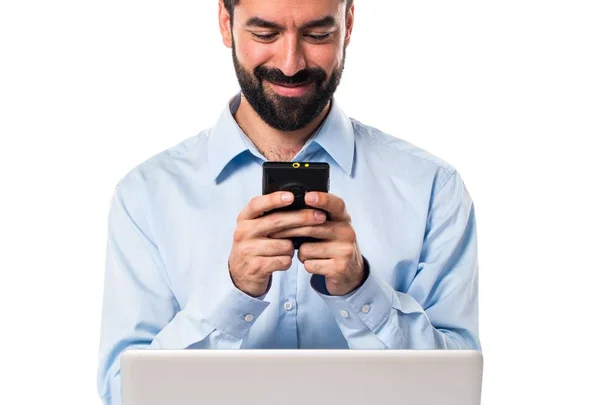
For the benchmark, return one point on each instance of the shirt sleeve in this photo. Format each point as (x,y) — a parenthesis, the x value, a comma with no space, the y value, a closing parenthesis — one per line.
(139,310)
(440,308)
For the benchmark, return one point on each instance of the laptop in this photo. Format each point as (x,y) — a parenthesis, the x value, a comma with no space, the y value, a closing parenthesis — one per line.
(301,377)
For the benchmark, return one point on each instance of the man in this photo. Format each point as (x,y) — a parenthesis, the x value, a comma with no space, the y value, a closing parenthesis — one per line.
(193,264)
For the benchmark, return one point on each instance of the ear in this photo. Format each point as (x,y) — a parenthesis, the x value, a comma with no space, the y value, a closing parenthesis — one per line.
(349,24)
(225,25)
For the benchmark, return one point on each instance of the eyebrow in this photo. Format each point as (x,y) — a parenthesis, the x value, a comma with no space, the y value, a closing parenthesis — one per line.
(324,22)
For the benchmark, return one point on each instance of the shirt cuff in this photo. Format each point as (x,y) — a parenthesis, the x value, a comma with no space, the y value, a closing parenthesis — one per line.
(236,312)
(370,304)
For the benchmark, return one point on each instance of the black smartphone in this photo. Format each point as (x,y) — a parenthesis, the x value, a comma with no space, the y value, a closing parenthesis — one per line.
(298,178)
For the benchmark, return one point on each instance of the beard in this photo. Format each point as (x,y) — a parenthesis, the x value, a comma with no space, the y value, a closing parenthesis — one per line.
(287,113)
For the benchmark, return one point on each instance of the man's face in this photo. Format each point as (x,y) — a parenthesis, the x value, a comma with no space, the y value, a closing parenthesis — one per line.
(289,56)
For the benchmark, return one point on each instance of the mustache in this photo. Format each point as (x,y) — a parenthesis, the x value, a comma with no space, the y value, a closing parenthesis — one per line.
(302,77)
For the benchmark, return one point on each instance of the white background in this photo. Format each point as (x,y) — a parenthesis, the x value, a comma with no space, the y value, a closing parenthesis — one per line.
(506,91)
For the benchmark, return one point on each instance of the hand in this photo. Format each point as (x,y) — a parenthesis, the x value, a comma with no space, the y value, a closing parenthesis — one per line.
(254,256)
(337,257)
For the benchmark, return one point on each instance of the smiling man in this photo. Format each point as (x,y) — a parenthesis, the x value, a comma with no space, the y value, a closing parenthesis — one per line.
(192,262)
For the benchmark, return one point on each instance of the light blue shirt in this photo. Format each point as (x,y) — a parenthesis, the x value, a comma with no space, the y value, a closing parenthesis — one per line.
(170,233)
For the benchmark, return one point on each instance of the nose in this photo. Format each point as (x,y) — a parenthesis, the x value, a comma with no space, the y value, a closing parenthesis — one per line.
(291,56)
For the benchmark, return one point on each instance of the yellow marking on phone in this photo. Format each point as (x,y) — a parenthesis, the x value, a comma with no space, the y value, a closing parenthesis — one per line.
(306,165)
(296,165)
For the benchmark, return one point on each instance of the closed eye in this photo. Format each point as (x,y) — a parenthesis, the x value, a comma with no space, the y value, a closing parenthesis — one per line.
(320,37)
(264,37)
(314,37)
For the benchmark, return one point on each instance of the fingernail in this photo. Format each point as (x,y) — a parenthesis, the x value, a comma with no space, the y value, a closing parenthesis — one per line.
(319,215)
(287,197)
(311,197)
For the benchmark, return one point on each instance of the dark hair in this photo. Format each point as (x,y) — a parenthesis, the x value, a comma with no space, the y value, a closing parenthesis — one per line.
(230,5)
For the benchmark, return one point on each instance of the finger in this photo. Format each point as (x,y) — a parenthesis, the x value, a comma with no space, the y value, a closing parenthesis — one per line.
(327,231)
(324,267)
(263,203)
(331,203)
(275,263)
(316,231)
(324,250)
(268,247)
(278,221)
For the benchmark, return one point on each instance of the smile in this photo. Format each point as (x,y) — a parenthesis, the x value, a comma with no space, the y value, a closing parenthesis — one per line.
(291,90)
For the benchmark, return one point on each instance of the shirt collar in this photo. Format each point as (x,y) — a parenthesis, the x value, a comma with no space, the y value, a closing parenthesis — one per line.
(226,140)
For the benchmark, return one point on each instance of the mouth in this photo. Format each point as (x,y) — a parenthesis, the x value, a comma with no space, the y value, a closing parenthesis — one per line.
(287,90)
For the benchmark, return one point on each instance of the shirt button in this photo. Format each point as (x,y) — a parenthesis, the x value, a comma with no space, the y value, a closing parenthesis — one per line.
(288,305)
(344,313)
(249,318)
(366,308)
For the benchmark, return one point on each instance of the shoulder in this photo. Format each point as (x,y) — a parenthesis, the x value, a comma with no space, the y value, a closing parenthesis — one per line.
(402,157)
(170,162)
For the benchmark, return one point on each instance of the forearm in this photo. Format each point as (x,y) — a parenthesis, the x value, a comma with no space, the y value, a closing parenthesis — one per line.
(219,324)
(377,317)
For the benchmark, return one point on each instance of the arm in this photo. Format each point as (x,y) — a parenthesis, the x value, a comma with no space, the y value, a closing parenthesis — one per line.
(140,311)
(440,308)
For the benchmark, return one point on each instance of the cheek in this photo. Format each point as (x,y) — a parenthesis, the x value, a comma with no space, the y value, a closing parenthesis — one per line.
(252,54)
(327,57)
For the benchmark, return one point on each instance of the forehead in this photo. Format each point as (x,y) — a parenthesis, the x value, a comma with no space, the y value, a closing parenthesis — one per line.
(289,13)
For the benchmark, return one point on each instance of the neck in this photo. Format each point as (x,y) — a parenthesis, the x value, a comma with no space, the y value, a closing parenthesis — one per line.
(275,145)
